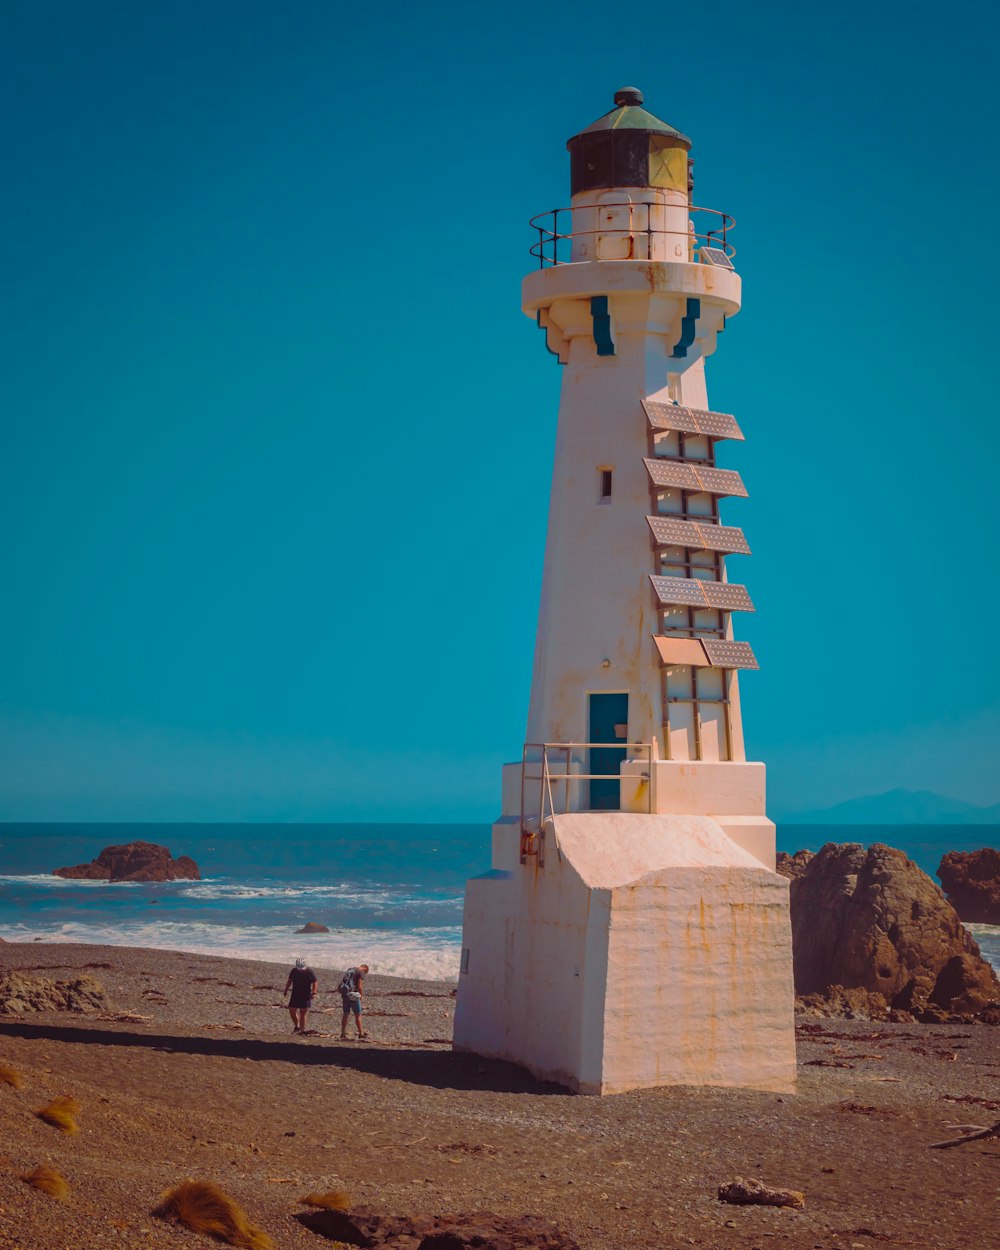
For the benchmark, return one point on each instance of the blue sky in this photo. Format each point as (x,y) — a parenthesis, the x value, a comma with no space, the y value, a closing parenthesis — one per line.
(277,438)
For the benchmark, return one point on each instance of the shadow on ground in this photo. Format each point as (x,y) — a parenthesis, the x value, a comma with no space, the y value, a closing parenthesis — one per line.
(440,1069)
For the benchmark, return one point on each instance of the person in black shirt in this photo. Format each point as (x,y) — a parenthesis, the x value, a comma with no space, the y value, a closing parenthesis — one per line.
(302,982)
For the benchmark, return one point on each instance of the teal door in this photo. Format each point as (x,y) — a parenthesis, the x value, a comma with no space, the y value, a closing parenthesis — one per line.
(608,720)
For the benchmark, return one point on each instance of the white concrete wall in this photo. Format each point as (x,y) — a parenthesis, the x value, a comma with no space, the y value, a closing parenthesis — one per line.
(533,991)
(597,614)
(652,950)
(699,981)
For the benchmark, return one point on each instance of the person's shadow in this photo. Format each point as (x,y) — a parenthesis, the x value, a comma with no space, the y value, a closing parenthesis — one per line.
(439,1069)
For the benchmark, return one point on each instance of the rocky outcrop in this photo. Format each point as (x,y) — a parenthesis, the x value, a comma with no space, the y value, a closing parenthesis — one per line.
(853,1004)
(136,861)
(313,926)
(793,866)
(482,1230)
(971,880)
(872,921)
(20,994)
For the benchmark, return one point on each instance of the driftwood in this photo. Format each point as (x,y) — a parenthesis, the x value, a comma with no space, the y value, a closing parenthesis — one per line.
(970,1132)
(743,1192)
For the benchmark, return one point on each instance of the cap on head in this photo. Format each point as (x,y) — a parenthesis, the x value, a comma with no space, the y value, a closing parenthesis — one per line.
(300,963)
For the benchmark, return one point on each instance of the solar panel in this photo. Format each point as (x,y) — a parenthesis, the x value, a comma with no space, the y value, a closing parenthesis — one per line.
(715,256)
(721,481)
(728,539)
(724,654)
(719,425)
(692,592)
(727,596)
(691,420)
(663,472)
(671,417)
(681,590)
(672,473)
(675,533)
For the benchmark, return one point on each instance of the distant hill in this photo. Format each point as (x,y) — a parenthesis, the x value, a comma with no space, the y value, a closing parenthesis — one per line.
(900,807)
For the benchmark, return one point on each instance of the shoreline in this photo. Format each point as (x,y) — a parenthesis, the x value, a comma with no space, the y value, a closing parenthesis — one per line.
(211,1083)
(387,947)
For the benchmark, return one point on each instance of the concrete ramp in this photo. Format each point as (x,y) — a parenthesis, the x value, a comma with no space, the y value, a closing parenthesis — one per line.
(613,848)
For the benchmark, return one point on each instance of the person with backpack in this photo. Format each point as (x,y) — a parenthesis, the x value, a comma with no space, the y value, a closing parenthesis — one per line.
(351,990)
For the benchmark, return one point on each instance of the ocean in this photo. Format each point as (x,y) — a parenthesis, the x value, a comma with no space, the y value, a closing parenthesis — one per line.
(391,895)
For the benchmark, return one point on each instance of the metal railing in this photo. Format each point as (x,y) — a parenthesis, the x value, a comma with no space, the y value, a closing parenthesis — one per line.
(547,250)
(533,821)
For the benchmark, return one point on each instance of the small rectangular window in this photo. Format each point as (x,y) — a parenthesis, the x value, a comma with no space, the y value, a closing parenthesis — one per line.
(605,484)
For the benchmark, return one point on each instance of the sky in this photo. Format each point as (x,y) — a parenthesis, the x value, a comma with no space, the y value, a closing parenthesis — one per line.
(277,438)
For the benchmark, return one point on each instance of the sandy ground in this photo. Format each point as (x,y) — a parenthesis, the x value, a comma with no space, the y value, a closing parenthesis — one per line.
(212,1084)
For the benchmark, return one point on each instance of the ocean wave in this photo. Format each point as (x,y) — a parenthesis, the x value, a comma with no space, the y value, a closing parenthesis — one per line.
(339,892)
(418,953)
(988,937)
(220,889)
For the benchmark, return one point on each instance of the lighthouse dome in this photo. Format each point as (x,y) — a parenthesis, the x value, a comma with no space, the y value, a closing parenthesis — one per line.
(628,147)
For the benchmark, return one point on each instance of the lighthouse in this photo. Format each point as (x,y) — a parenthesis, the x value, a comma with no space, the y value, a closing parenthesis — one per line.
(631,930)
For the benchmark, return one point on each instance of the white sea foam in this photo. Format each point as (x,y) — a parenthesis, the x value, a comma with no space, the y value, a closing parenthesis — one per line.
(340,893)
(422,954)
(215,888)
(988,937)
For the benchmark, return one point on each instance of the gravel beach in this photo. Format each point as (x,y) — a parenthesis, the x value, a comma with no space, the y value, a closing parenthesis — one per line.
(210,1083)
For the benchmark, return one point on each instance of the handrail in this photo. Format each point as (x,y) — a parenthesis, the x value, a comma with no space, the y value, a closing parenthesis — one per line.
(546,248)
(533,828)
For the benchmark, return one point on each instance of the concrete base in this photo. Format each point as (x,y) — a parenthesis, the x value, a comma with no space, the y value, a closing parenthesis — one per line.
(649,950)
(732,793)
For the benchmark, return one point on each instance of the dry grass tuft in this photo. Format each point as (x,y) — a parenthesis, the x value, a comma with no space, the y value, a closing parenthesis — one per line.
(205,1208)
(10,1076)
(48,1180)
(61,1113)
(332,1200)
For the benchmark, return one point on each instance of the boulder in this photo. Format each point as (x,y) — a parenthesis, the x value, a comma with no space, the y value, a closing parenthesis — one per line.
(853,1004)
(971,880)
(482,1230)
(136,861)
(872,921)
(313,926)
(20,994)
(793,866)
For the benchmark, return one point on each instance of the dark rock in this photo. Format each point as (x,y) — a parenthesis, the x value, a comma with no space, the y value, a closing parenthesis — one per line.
(971,880)
(872,921)
(898,1016)
(852,1004)
(793,866)
(136,861)
(313,926)
(481,1230)
(19,994)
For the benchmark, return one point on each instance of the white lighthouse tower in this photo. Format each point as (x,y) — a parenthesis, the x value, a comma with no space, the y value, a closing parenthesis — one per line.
(632,930)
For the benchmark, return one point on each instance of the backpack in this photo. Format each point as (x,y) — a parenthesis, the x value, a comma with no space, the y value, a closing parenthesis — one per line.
(348,982)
